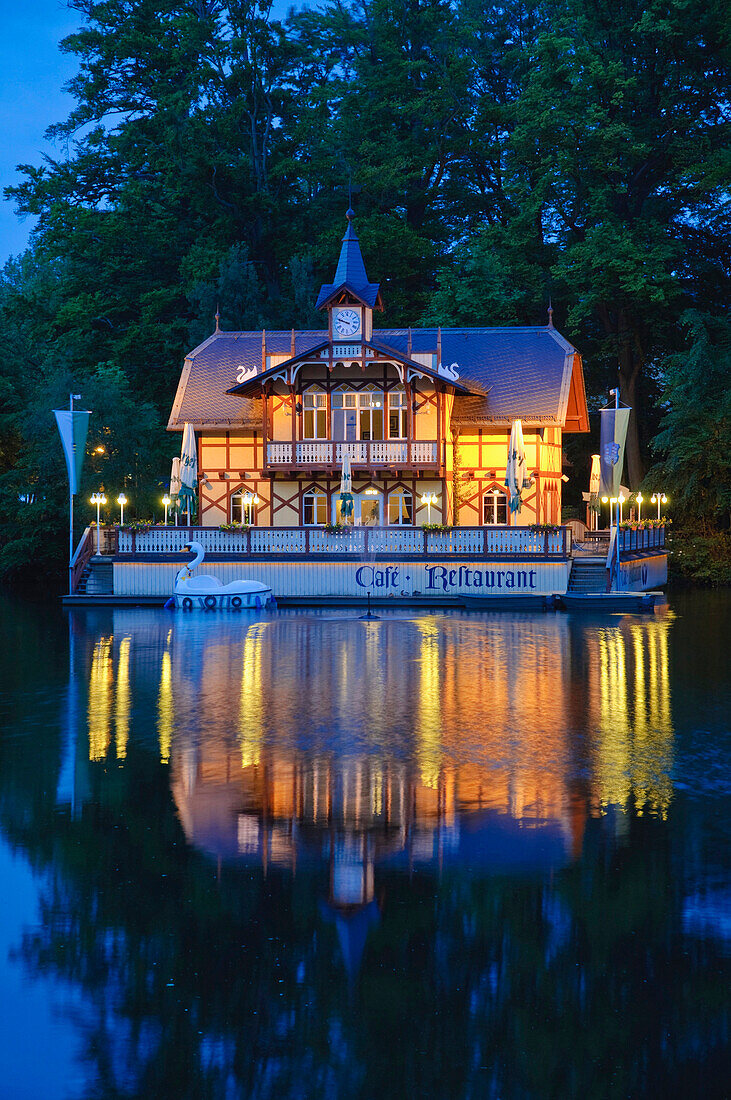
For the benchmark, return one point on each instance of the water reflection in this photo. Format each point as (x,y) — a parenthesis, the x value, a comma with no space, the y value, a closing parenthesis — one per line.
(289,835)
(412,730)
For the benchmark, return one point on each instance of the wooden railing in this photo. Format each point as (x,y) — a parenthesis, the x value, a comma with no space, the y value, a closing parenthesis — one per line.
(476,541)
(363,452)
(646,538)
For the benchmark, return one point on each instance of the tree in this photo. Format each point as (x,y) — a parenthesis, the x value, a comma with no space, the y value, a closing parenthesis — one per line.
(621,138)
(694,441)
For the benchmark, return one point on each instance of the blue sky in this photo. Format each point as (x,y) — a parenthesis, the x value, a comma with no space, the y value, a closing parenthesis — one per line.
(33,72)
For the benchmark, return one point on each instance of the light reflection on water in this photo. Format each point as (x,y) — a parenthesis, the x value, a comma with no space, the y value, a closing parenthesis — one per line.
(536,718)
(264,843)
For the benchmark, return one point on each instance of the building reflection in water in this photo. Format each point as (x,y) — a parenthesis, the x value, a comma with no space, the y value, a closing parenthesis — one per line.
(488,738)
(630,709)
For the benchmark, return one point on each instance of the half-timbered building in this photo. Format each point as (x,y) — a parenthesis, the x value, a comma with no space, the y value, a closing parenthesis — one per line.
(424,415)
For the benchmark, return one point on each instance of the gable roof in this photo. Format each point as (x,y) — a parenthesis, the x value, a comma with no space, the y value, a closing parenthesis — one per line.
(522,372)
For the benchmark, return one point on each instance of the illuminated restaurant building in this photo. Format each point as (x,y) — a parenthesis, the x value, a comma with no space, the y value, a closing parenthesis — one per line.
(424,415)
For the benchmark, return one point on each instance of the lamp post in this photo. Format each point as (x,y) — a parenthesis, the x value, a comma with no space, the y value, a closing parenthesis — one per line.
(166,502)
(428,499)
(639,498)
(620,501)
(98,499)
(658,498)
(121,501)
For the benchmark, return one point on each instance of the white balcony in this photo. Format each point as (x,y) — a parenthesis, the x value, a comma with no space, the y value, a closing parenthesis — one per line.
(369,453)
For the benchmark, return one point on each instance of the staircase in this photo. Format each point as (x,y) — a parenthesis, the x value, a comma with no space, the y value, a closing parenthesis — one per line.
(588,575)
(97,579)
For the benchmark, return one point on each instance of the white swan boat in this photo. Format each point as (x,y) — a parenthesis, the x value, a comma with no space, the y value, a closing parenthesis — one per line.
(208,592)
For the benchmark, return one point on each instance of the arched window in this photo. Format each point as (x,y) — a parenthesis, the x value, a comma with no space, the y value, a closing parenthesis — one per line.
(243,507)
(314,508)
(494,508)
(314,404)
(397,413)
(400,508)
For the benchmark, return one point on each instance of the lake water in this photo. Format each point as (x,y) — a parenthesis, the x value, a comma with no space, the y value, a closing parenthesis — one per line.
(306,855)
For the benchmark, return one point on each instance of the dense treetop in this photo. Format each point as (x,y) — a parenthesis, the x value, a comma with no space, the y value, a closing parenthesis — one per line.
(500,156)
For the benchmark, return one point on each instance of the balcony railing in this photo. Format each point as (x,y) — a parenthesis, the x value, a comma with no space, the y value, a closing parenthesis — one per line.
(369,453)
(492,542)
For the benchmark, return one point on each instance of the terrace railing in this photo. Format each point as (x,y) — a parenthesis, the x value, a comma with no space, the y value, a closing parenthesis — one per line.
(645,538)
(474,541)
(369,453)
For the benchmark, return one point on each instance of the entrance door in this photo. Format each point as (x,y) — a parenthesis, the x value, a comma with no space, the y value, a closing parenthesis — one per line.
(367,510)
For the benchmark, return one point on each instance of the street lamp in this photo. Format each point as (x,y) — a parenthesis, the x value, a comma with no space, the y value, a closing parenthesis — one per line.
(166,502)
(98,499)
(639,498)
(658,498)
(428,499)
(121,501)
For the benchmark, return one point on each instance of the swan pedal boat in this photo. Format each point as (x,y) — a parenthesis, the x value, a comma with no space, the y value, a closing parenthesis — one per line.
(209,593)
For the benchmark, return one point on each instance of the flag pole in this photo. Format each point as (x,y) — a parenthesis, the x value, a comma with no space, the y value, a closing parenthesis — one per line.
(72,398)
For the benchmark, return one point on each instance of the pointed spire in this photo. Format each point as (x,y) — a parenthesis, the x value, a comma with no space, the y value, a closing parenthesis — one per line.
(351,273)
(218,319)
(550,314)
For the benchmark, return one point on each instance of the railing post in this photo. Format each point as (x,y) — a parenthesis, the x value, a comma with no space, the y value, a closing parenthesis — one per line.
(484,542)
(367,540)
(426,542)
(545,545)
(248,542)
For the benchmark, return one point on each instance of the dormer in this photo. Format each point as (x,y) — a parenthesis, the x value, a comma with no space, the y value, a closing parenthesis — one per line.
(350,299)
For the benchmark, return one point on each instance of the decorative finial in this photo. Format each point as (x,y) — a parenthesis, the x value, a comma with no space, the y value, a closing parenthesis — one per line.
(350,213)
(550,314)
(218,318)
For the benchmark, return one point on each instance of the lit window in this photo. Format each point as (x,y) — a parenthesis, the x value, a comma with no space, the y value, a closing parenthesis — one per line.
(314,403)
(494,508)
(243,508)
(397,414)
(314,509)
(400,509)
(370,413)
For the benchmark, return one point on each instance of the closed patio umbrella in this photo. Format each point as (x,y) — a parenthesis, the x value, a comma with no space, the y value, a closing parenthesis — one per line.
(346,486)
(516,476)
(175,487)
(188,469)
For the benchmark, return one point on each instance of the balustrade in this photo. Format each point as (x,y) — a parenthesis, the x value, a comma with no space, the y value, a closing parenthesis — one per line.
(474,541)
(362,452)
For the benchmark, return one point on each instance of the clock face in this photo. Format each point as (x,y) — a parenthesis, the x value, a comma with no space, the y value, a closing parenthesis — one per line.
(347,322)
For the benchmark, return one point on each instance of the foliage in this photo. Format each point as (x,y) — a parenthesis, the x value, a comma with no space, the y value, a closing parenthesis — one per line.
(501,156)
(700,558)
(694,441)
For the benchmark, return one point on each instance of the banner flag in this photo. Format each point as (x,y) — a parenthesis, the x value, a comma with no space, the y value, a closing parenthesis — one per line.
(611,449)
(72,427)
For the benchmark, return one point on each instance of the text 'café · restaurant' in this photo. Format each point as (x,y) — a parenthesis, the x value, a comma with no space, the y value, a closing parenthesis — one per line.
(423,416)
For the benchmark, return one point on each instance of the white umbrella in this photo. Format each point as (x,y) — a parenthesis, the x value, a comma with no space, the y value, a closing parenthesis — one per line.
(175,487)
(516,475)
(346,486)
(188,469)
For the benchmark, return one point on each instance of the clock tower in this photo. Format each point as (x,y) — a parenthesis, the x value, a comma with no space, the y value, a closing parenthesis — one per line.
(350,299)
